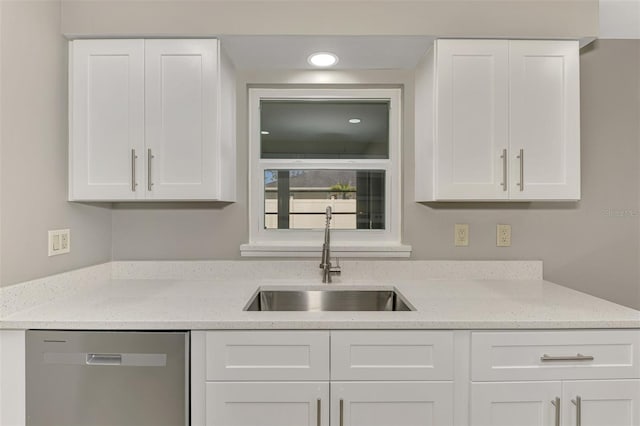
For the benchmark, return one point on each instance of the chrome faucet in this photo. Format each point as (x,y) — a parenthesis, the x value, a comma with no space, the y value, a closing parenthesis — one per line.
(325,265)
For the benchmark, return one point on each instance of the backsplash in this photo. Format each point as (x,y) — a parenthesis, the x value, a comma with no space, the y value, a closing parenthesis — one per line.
(37,292)
(32,293)
(352,271)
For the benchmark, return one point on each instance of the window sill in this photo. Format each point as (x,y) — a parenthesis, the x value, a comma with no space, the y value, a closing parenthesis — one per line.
(299,250)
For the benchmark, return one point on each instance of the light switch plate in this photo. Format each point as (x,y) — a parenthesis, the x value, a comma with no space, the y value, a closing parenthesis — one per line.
(461,234)
(59,242)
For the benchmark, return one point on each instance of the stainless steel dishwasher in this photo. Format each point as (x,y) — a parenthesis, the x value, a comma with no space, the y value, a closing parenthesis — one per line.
(95,378)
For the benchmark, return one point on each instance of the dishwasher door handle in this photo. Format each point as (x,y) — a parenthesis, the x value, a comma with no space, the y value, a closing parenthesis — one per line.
(114,359)
(104,359)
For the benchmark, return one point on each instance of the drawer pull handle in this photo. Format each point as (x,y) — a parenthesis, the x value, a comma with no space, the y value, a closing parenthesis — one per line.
(342,412)
(577,357)
(578,403)
(556,403)
(319,415)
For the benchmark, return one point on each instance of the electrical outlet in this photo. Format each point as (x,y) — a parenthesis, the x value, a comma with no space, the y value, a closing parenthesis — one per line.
(64,241)
(59,242)
(461,234)
(503,235)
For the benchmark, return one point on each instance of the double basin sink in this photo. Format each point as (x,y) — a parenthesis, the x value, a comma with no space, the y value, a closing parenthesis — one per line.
(319,299)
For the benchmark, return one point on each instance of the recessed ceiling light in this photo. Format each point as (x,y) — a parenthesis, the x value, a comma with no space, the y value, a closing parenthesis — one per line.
(264,132)
(322,59)
(355,120)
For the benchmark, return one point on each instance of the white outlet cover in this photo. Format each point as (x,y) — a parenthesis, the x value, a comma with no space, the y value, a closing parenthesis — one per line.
(461,234)
(503,235)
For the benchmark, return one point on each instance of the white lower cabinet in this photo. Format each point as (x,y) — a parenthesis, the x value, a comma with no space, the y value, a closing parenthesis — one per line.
(601,403)
(514,403)
(415,378)
(284,378)
(555,378)
(267,404)
(569,403)
(391,403)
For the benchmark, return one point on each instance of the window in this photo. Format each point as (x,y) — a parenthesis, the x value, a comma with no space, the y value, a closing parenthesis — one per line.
(313,148)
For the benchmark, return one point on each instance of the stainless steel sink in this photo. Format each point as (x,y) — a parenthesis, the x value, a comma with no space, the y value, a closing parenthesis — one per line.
(325,299)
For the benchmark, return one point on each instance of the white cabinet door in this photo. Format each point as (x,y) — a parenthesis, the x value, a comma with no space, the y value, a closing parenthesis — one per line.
(181,119)
(106,120)
(267,404)
(514,403)
(545,120)
(392,403)
(13,371)
(601,402)
(471,119)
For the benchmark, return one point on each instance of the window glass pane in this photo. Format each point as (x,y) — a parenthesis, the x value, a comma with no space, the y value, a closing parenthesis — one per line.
(297,199)
(324,129)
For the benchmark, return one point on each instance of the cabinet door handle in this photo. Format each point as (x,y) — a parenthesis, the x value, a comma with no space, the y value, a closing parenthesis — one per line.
(342,412)
(133,170)
(578,403)
(149,158)
(556,403)
(521,157)
(577,357)
(319,415)
(504,169)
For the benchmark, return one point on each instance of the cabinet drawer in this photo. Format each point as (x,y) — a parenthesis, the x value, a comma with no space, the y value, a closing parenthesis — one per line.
(391,355)
(267,355)
(552,355)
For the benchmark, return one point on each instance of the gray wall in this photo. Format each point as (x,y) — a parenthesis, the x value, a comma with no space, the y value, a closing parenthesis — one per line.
(490,18)
(33,190)
(592,245)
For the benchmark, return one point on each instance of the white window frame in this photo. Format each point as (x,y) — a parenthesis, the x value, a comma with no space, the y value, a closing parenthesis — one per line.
(308,242)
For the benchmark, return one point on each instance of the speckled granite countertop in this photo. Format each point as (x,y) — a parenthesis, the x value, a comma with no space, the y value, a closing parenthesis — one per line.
(210,304)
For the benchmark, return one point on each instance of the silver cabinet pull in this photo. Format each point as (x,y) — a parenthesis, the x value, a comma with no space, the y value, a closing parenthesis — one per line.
(104,359)
(521,157)
(149,158)
(556,403)
(578,403)
(504,169)
(133,170)
(342,412)
(577,357)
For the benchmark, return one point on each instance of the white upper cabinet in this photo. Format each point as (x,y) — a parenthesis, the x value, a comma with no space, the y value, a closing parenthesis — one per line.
(472,119)
(151,120)
(544,120)
(498,120)
(106,96)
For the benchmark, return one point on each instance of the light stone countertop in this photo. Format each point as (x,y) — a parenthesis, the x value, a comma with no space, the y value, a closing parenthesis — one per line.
(162,304)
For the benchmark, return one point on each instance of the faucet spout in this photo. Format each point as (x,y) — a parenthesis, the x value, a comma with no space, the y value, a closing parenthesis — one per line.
(325,264)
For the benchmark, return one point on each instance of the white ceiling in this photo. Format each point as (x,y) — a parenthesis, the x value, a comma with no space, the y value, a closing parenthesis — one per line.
(354,52)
